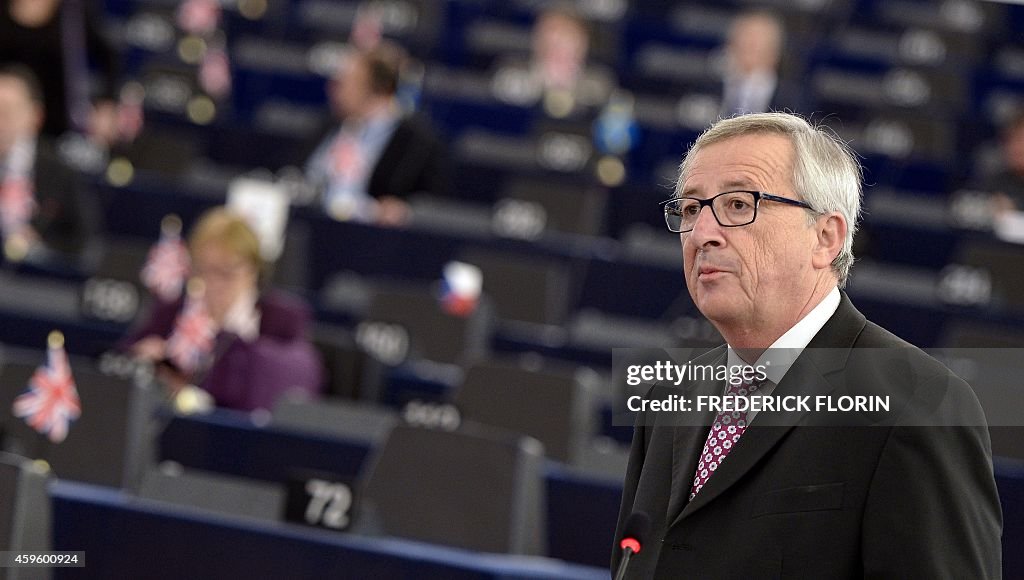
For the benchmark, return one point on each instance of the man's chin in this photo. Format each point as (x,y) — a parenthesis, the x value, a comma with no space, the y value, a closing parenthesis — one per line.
(716,308)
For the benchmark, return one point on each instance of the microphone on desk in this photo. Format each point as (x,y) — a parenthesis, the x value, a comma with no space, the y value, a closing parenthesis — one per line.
(635,534)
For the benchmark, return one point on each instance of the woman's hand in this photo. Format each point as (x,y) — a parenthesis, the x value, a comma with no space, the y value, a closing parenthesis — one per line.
(151,348)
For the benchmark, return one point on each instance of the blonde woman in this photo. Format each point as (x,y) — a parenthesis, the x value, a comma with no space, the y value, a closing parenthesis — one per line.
(244,347)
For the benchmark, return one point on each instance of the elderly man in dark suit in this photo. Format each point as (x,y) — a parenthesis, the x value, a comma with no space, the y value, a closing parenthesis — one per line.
(766,207)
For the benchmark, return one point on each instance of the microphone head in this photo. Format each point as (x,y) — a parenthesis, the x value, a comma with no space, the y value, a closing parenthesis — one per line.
(634,534)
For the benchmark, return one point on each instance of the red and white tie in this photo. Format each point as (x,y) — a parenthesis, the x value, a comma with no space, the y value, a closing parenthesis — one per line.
(17,205)
(725,432)
(346,159)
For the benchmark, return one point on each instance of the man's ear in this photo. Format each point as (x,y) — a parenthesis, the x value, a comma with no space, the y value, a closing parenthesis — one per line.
(830,230)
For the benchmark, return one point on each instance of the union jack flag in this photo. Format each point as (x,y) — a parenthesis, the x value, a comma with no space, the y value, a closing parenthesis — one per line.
(192,338)
(50,403)
(166,267)
(17,205)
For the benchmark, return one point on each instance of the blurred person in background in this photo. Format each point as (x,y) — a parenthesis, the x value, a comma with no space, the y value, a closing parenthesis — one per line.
(243,346)
(559,72)
(751,81)
(374,155)
(58,39)
(1007,185)
(45,214)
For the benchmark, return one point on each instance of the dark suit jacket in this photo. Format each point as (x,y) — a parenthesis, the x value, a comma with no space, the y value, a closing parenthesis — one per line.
(66,217)
(800,497)
(413,161)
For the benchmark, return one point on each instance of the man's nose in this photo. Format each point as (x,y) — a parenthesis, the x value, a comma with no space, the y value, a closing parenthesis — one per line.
(706,229)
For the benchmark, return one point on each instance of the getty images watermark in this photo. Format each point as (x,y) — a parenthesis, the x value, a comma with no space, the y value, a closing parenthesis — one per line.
(748,394)
(818,386)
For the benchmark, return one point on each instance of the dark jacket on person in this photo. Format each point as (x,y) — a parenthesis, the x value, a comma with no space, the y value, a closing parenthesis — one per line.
(414,160)
(904,494)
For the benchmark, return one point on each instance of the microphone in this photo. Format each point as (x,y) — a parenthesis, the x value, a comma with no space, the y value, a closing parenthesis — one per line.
(633,537)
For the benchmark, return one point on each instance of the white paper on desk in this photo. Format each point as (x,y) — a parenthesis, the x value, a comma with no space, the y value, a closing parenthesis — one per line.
(265,206)
(1009,226)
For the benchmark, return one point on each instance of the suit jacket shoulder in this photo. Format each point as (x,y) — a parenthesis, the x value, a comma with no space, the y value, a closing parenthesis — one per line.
(414,160)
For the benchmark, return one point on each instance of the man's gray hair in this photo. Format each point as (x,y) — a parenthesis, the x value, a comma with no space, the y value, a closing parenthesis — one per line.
(826,172)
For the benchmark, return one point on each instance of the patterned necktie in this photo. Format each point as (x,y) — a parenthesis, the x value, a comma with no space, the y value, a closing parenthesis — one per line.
(725,432)
(347,159)
(17,205)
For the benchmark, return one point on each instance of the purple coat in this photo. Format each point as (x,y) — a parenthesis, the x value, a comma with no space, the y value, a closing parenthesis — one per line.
(253,375)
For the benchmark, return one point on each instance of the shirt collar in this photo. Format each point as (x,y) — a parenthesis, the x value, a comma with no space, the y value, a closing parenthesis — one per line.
(376,121)
(784,351)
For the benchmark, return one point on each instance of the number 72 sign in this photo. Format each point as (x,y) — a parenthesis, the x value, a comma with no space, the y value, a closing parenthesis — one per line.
(320,501)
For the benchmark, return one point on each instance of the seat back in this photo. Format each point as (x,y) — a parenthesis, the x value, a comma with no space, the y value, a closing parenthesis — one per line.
(556,408)
(474,488)
(115,292)
(523,288)
(352,372)
(223,494)
(1003,264)
(335,417)
(24,511)
(414,323)
(568,207)
(110,442)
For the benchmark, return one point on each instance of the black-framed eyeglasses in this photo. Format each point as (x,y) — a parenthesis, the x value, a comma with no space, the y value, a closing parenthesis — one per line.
(731,209)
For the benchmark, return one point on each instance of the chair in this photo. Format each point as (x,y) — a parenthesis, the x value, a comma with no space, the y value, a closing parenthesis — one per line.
(111,441)
(986,355)
(335,417)
(1003,262)
(524,289)
(115,292)
(413,323)
(603,459)
(25,511)
(556,408)
(166,150)
(352,373)
(214,492)
(291,270)
(475,488)
(569,206)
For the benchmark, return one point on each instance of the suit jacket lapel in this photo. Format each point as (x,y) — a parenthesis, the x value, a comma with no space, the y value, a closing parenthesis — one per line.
(826,354)
(687,444)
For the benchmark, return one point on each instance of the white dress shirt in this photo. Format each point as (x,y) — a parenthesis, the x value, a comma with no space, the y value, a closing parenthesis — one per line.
(781,355)
(751,93)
